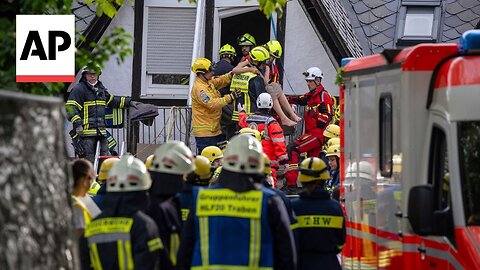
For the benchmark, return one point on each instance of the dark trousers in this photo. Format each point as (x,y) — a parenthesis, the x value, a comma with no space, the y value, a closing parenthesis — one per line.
(203,142)
(90,145)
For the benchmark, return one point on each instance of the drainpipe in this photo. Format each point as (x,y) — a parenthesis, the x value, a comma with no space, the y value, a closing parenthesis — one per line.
(197,41)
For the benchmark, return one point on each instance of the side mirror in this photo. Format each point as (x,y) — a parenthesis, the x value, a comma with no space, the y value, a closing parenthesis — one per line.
(420,209)
(423,217)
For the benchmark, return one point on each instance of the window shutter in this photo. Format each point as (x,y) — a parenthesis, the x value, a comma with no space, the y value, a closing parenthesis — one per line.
(170,34)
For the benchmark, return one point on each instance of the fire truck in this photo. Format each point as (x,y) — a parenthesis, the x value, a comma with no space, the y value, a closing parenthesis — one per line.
(410,168)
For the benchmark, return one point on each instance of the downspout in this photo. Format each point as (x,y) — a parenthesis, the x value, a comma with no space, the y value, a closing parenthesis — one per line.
(199,33)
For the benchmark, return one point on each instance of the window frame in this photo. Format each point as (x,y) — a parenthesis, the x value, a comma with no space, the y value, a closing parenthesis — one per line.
(382,145)
(401,39)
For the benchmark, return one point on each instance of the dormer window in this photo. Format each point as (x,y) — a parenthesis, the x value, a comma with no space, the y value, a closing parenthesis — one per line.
(418,22)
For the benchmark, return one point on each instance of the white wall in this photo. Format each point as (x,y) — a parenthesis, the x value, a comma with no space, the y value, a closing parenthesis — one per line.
(303,49)
(118,78)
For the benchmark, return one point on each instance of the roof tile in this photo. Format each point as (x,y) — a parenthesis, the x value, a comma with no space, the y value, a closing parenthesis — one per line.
(393,6)
(390,32)
(373,3)
(464,27)
(360,7)
(382,12)
(380,39)
(392,19)
(381,25)
(467,15)
(454,8)
(451,34)
(476,10)
(453,21)
(468,3)
(367,17)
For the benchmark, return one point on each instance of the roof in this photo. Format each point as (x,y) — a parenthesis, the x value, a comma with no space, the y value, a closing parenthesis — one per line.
(84,14)
(370,26)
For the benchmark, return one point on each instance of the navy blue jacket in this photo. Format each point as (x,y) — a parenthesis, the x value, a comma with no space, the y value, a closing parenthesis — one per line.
(320,230)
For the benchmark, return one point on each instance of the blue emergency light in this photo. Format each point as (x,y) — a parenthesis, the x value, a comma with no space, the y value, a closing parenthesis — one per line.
(469,41)
(346,60)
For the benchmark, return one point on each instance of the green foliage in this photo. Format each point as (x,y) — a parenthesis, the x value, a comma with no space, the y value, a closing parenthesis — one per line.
(266,6)
(117,42)
(339,78)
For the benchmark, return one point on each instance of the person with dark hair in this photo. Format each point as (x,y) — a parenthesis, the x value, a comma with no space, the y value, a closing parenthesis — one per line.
(84,208)
(333,155)
(320,223)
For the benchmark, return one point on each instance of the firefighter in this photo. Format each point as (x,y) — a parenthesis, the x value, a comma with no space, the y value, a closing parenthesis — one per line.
(332,131)
(105,167)
(206,100)
(86,111)
(333,156)
(214,155)
(250,84)
(317,116)
(172,160)
(273,87)
(246,43)
(227,55)
(273,141)
(238,224)
(84,209)
(122,236)
(250,131)
(200,177)
(320,223)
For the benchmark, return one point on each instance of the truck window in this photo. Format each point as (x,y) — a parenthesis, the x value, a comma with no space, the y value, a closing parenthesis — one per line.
(385,111)
(469,160)
(438,174)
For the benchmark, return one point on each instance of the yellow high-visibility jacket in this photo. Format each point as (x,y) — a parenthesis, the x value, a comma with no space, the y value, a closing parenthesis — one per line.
(207,105)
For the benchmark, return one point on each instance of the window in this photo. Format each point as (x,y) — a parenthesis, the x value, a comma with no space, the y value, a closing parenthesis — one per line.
(386,135)
(469,160)
(418,22)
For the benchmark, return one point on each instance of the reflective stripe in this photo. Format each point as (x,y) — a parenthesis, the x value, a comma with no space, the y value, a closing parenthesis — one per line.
(122,102)
(283,157)
(278,139)
(185,213)
(109,226)
(128,249)
(319,222)
(108,238)
(204,239)
(255,237)
(74,103)
(155,244)
(95,258)
(121,256)
(174,245)
(75,118)
(110,99)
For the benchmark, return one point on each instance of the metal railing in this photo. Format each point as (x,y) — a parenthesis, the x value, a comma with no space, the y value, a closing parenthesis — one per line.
(173,123)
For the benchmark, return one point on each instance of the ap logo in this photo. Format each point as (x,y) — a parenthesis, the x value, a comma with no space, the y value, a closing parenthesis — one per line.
(45,49)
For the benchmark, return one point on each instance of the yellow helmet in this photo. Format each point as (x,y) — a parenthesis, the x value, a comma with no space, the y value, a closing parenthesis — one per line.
(267,170)
(202,168)
(227,49)
(333,150)
(201,65)
(274,48)
(332,141)
(148,162)
(332,131)
(253,132)
(312,169)
(246,40)
(94,187)
(259,54)
(212,153)
(105,168)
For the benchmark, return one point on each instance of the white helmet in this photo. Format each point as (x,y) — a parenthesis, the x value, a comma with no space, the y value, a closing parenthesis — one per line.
(264,101)
(173,157)
(244,154)
(128,174)
(362,169)
(312,73)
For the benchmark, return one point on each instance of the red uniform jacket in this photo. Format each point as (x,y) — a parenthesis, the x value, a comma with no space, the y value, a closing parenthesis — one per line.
(273,141)
(318,111)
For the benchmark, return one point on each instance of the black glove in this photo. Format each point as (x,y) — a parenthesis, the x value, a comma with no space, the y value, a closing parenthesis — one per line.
(78,147)
(135,104)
